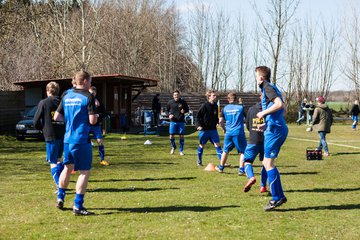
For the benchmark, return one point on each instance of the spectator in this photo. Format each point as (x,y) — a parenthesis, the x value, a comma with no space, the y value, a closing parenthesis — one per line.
(156,108)
(354,113)
(322,121)
(301,111)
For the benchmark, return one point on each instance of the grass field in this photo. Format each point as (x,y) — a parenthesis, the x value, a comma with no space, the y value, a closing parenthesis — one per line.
(148,194)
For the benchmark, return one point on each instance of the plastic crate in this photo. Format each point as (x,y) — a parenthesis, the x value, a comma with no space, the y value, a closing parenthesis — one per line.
(313,154)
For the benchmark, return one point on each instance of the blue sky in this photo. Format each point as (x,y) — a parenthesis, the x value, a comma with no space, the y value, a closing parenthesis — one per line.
(315,8)
(329,11)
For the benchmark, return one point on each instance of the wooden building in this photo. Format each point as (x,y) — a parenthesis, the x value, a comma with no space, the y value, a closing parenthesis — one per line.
(115,91)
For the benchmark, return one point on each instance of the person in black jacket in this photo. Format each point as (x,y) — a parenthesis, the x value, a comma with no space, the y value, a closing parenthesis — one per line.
(156,108)
(355,110)
(96,128)
(206,121)
(176,109)
(254,147)
(53,131)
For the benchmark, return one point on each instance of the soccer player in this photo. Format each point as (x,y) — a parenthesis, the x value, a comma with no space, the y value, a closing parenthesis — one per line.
(206,121)
(254,147)
(233,114)
(53,131)
(177,108)
(78,109)
(275,132)
(96,128)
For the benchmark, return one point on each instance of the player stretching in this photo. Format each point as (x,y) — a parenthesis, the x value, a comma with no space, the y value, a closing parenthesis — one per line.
(206,122)
(177,108)
(53,131)
(275,132)
(254,147)
(96,129)
(78,109)
(233,114)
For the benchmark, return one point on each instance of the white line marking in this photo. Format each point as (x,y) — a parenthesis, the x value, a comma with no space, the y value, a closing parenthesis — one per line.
(329,143)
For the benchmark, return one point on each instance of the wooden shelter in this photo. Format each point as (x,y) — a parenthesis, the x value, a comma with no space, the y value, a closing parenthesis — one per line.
(115,91)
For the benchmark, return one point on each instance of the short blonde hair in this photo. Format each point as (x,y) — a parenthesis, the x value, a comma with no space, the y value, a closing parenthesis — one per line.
(81,76)
(209,92)
(53,88)
(232,96)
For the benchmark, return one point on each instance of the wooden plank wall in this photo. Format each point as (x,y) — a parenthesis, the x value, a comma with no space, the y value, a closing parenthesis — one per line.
(11,107)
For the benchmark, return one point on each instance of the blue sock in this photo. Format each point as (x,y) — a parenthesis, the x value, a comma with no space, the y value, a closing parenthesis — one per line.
(55,174)
(172,141)
(275,184)
(249,171)
(60,166)
(218,152)
(200,153)
(182,142)
(61,193)
(221,167)
(101,152)
(263,177)
(241,169)
(79,200)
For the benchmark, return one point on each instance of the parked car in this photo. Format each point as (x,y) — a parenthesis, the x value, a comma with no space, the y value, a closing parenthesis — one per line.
(25,127)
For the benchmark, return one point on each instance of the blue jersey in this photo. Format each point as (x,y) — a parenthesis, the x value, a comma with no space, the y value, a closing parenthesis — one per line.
(269,93)
(76,106)
(234,116)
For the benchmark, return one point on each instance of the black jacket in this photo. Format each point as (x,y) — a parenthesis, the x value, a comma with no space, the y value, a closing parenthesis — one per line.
(101,111)
(355,110)
(43,119)
(255,137)
(174,107)
(207,116)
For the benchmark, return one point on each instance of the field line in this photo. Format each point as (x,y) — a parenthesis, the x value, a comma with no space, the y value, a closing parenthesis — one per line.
(329,143)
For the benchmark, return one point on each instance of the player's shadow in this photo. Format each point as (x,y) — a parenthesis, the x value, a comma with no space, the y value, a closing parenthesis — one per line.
(325,190)
(143,163)
(131,189)
(345,153)
(162,209)
(329,207)
(144,179)
(299,173)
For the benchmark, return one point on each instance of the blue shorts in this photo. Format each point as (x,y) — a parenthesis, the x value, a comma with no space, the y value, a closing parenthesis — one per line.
(252,150)
(96,131)
(54,150)
(274,138)
(78,154)
(177,128)
(237,141)
(207,135)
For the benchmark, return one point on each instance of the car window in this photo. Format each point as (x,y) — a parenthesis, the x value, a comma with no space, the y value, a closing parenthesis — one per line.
(31,112)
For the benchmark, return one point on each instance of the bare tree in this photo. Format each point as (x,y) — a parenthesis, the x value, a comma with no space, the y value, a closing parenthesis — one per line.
(280,13)
(327,56)
(241,43)
(351,67)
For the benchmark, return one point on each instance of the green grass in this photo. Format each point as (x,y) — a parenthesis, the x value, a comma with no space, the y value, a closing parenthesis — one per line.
(148,194)
(339,106)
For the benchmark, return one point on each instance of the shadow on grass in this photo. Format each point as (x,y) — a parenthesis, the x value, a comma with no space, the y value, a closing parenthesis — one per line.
(143,179)
(144,163)
(326,190)
(163,209)
(129,189)
(329,207)
(345,153)
(299,173)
